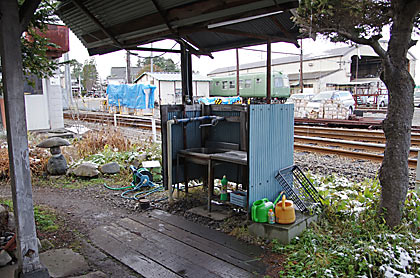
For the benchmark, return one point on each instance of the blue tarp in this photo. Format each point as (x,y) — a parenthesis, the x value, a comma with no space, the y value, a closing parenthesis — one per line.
(219,100)
(130,95)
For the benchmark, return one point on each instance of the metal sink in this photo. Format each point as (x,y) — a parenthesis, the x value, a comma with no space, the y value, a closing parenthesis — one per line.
(200,155)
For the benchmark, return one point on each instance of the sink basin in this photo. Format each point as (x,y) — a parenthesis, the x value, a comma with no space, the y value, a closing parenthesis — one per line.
(200,155)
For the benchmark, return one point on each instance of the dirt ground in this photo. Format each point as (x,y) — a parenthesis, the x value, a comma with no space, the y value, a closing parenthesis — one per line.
(79,210)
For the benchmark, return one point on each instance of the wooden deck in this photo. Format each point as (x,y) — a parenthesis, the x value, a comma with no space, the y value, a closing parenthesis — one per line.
(158,244)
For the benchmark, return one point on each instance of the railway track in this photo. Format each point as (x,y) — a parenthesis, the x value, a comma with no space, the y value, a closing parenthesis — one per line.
(352,143)
(141,122)
(375,136)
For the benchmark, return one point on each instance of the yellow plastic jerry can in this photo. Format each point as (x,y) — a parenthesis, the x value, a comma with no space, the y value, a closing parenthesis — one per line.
(285,212)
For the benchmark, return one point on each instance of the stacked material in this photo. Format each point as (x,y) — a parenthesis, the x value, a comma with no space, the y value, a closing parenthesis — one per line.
(328,109)
(300,108)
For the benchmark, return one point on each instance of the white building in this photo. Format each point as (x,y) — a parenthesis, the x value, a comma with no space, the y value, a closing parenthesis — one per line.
(43,104)
(169,86)
(345,66)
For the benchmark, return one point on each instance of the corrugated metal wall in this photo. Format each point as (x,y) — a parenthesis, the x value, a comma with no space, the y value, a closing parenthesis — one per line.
(270,148)
(226,131)
(222,132)
(193,141)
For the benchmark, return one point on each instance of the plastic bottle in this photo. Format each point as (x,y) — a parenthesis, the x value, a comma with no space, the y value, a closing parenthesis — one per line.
(271,217)
(223,193)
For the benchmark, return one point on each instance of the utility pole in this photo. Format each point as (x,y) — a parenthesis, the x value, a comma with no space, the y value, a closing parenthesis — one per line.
(128,68)
(301,66)
(237,71)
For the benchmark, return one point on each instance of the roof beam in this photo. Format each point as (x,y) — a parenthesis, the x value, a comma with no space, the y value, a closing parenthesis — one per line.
(163,14)
(153,49)
(26,11)
(196,45)
(281,27)
(251,35)
(82,7)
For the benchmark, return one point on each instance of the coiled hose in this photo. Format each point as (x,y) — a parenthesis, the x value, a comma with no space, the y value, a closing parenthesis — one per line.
(143,181)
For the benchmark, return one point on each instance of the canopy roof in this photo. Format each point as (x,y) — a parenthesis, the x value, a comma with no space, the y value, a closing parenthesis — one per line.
(204,25)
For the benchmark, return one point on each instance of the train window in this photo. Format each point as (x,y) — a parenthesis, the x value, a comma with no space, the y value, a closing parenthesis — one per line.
(217,83)
(224,85)
(241,84)
(278,82)
(258,80)
(248,83)
(231,84)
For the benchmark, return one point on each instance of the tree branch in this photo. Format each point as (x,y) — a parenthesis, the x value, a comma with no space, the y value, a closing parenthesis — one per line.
(372,42)
(412,43)
(26,11)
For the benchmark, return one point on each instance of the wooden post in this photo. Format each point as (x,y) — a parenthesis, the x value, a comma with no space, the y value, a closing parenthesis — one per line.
(268,72)
(11,59)
(237,71)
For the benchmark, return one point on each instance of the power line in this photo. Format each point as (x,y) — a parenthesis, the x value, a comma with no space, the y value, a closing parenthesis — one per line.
(276,52)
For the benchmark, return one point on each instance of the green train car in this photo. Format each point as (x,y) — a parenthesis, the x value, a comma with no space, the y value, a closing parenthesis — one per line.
(251,85)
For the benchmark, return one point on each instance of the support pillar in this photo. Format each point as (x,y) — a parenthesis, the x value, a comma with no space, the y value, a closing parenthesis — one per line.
(186,74)
(11,59)
(237,72)
(268,72)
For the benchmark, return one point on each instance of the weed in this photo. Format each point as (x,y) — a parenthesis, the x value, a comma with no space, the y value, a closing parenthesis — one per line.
(45,218)
(94,142)
(350,240)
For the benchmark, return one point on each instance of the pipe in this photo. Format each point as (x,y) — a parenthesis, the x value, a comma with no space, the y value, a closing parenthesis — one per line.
(169,124)
(187,120)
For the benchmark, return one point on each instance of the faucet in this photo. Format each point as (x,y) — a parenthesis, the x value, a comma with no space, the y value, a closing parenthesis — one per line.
(214,121)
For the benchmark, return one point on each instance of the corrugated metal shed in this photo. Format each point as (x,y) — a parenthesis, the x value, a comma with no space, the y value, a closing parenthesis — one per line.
(270,148)
(104,25)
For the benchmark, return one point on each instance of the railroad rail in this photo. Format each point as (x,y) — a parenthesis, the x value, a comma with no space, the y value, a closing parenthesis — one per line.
(412,163)
(376,136)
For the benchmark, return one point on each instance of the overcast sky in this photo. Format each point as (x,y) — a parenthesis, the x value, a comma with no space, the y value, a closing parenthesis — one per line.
(204,64)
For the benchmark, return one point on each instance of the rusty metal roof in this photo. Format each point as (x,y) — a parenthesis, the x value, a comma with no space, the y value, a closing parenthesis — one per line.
(205,25)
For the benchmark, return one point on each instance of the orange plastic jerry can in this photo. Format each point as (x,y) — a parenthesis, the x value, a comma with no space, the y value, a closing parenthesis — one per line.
(285,212)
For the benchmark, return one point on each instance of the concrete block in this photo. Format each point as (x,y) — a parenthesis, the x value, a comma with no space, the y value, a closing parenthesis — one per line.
(283,233)
(218,213)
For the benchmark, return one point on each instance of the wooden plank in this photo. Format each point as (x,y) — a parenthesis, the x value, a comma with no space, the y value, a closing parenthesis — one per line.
(176,255)
(212,235)
(243,131)
(114,242)
(234,257)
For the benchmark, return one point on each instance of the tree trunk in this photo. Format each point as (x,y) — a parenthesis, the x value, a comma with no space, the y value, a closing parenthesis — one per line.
(393,173)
